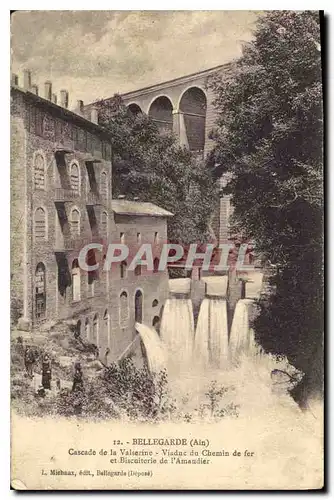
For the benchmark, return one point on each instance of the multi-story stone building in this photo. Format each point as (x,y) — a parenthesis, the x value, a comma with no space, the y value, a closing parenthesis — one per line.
(185,105)
(61,199)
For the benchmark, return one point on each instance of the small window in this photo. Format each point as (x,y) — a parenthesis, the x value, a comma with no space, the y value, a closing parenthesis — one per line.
(106,316)
(75,223)
(92,275)
(138,270)
(122,237)
(156,237)
(123,268)
(155,303)
(138,237)
(75,178)
(104,185)
(156,265)
(40,224)
(124,309)
(104,223)
(106,325)
(39,172)
(95,329)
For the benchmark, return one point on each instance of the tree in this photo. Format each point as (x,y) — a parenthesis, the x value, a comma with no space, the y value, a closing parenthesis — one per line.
(269,139)
(150,165)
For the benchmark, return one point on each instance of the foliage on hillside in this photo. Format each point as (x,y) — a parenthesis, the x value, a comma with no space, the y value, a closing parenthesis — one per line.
(150,165)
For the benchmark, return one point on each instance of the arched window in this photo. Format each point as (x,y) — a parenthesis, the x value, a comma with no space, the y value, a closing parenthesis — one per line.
(138,270)
(87,329)
(106,327)
(156,265)
(104,185)
(40,224)
(39,171)
(92,275)
(40,291)
(104,223)
(156,238)
(75,222)
(139,306)
(123,267)
(76,281)
(123,309)
(75,177)
(95,338)
(155,303)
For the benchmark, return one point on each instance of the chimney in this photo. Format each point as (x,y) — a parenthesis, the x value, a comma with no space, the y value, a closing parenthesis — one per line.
(79,107)
(121,197)
(54,98)
(64,98)
(48,90)
(14,79)
(94,116)
(26,79)
(34,89)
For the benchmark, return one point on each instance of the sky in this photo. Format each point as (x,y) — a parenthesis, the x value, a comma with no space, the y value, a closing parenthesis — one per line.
(95,54)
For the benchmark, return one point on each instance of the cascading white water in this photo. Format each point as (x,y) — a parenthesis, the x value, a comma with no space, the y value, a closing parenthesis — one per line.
(177,331)
(201,346)
(218,330)
(211,338)
(155,351)
(240,337)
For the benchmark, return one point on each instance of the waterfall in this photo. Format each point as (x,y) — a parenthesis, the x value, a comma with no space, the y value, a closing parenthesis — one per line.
(211,339)
(177,331)
(155,352)
(240,337)
(201,347)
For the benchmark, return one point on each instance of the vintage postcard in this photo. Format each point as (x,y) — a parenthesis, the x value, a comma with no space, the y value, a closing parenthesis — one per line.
(166,250)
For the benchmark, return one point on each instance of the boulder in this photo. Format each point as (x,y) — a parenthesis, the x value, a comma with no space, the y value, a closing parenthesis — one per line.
(23,324)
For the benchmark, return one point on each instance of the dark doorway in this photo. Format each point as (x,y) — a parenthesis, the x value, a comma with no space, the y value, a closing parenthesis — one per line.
(138,307)
(40,291)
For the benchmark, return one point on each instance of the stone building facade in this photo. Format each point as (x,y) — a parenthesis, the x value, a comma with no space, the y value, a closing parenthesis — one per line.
(185,105)
(61,199)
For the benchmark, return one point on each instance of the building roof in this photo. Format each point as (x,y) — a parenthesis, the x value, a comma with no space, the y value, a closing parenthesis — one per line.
(64,113)
(127,207)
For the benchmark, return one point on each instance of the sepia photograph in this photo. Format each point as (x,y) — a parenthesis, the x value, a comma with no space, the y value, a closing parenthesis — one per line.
(167,250)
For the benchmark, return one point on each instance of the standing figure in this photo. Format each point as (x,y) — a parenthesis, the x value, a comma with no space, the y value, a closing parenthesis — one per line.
(46,372)
(77,378)
(29,360)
